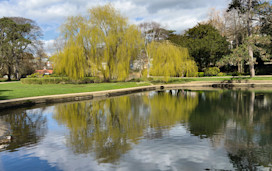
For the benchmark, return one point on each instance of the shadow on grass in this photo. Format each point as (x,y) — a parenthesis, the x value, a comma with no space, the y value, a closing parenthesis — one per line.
(3,97)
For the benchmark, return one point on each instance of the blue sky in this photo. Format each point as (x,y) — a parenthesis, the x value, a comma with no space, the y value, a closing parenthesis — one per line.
(49,14)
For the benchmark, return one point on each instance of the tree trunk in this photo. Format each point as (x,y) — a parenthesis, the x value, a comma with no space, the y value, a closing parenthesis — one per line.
(239,67)
(16,72)
(251,62)
(9,73)
(148,62)
(242,67)
(249,29)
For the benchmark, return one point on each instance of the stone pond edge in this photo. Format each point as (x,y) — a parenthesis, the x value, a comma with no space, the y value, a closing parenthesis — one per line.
(30,101)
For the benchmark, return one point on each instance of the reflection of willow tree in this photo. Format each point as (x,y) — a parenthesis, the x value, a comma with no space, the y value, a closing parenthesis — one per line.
(109,127)
(26,128)
(167,109)
(102,126)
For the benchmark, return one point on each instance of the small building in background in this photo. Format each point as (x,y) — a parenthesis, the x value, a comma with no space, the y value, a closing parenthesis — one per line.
(45,71)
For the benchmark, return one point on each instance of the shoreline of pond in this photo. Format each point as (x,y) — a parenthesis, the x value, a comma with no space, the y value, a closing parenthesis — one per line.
(60,98)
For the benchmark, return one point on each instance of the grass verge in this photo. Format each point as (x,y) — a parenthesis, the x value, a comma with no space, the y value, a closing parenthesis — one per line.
(18,90)
(158,80)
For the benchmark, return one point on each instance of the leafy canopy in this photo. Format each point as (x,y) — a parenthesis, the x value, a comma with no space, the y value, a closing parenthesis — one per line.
(18,38)
(170,60)
(101,43)
(205,44)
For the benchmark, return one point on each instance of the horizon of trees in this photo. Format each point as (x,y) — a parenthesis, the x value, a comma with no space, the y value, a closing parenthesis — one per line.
(104,44)
(245,24)
(228,38)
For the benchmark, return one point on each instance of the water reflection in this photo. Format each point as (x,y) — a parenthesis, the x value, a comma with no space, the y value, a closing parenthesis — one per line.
(242,120)
(24,127)
(249,132)
(175,129)
(109,127)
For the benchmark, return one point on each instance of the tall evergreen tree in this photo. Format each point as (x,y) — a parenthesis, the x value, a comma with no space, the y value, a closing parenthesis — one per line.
(205,44)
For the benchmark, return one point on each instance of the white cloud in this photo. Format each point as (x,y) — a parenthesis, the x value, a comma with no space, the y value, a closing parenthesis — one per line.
(49,46)
(175,14)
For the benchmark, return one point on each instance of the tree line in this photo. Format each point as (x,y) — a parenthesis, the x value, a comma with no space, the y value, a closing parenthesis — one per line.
(237,36)
(104,44)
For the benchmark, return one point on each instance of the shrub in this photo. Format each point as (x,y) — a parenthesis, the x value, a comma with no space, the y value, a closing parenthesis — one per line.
(35,75)
(137,80)
(221,74)
(59,80)
(212,71)
(236,74)
(191,74)
(86,80)
(200,74)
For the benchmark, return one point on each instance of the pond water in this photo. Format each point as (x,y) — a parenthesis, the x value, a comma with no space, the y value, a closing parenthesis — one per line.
(170,130)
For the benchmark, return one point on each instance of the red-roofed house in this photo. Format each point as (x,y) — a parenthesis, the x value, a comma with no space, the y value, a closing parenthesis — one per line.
(45,71)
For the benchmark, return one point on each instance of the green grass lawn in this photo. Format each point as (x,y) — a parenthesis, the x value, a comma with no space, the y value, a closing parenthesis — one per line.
(221,79)
(18,90)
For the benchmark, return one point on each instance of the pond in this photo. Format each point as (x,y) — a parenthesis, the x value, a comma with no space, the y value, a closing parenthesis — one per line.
(164,130)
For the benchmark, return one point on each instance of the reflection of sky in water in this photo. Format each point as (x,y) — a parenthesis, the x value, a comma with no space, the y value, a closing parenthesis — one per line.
(175,148)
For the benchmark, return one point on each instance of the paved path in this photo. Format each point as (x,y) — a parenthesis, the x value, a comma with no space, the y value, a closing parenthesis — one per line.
(9,82)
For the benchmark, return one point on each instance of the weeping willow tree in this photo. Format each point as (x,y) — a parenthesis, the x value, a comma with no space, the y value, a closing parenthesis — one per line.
(102,43)
(71,58)
(170,60)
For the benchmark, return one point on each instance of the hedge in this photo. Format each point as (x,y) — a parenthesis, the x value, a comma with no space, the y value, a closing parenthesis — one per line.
(212,71)
(59,80)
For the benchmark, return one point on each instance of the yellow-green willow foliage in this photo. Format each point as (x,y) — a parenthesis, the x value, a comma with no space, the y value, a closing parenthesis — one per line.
(170,60)
(103,127)
(71,59)
(168,109)
(109,129)
(103,43)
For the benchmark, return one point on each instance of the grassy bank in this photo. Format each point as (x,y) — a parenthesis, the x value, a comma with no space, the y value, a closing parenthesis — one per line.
(18,90)
(155,80)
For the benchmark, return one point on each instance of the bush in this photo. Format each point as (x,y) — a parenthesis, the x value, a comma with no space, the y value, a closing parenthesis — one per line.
(86,80)
(59,80)
(200,74)
(221,74)
(35,75)
(45,80)
(236,74)
(212,71)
